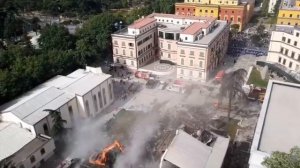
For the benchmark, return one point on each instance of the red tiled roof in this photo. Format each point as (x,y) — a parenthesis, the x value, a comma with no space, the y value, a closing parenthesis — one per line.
(141,23)
(195,27)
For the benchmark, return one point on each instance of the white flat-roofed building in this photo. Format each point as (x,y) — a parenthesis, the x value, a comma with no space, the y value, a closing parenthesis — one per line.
(203,41)
(22,148)
(81,94)
(284,48)
(278,124)
(185,151)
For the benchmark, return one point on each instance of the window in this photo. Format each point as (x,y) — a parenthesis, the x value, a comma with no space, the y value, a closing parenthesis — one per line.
(191,62)
(200,74)
(123,52)
(283,39)
(297,34)
(185,38)
(200,10)
(239,19)
(71,113)
(123,44)
(95,102)
(279,59)
(298,57)
(191,52)
(130,44)
(169,46)
(169,36)
(22,166)
(104,96)
(225,18)
(201,54)
(87,108)
(283,15)
(100,99)
(115,42)
(293,54)
(206,11)
(182,61)
(191,73)
(43,151)
(211,11)
(295,43)
(200,64)
(160,34)
(286,52)
(46,130)
(32,159)
(289,41)
(281,50)
(116,51)
(232,11)
(290,65)
(283,61)
(169,55)
(291,15)
(181,51)
(131,53)
(110,92)
(231,18)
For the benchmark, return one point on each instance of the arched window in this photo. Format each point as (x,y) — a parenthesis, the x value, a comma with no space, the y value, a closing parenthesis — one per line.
(32,159)
(43,151)
(104,96)
(110,91)
(87,108)
(46,130)
(100,99)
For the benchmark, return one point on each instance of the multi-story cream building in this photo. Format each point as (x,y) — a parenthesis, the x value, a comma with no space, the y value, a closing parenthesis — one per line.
(25,128)
(195,44)
(284,47)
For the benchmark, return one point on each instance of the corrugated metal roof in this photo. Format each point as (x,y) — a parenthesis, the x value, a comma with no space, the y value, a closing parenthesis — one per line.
(186,151)
(86,83)
(12,139)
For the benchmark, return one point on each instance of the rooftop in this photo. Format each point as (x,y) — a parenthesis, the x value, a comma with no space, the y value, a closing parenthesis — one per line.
(194,28)
(185,151)
(52,95)
(10,141)
(141,23)
(207,39)
(280,115)
(209,19)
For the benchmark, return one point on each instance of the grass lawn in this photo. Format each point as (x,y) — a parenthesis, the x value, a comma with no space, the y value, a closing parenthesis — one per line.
(255,79)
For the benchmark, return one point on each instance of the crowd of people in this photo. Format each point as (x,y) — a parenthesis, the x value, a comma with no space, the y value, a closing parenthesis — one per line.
(236,51)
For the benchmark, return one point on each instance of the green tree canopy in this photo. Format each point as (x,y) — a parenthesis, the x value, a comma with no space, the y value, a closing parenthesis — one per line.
(284,160)
(56,37)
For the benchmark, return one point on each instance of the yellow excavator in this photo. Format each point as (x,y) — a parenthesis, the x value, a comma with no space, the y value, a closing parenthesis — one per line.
(101,159)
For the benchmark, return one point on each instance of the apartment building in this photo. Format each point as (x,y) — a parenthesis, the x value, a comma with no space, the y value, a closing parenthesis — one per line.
(136,45)
(234,11)
(284,47)
(196,45)
(289,13)
(25,128)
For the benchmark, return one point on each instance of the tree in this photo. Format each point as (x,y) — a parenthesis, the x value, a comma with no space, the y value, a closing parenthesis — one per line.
(264,8)
(256,40)
(283,160)
(56,37)
(231,87)
(95,36)
(58,122)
